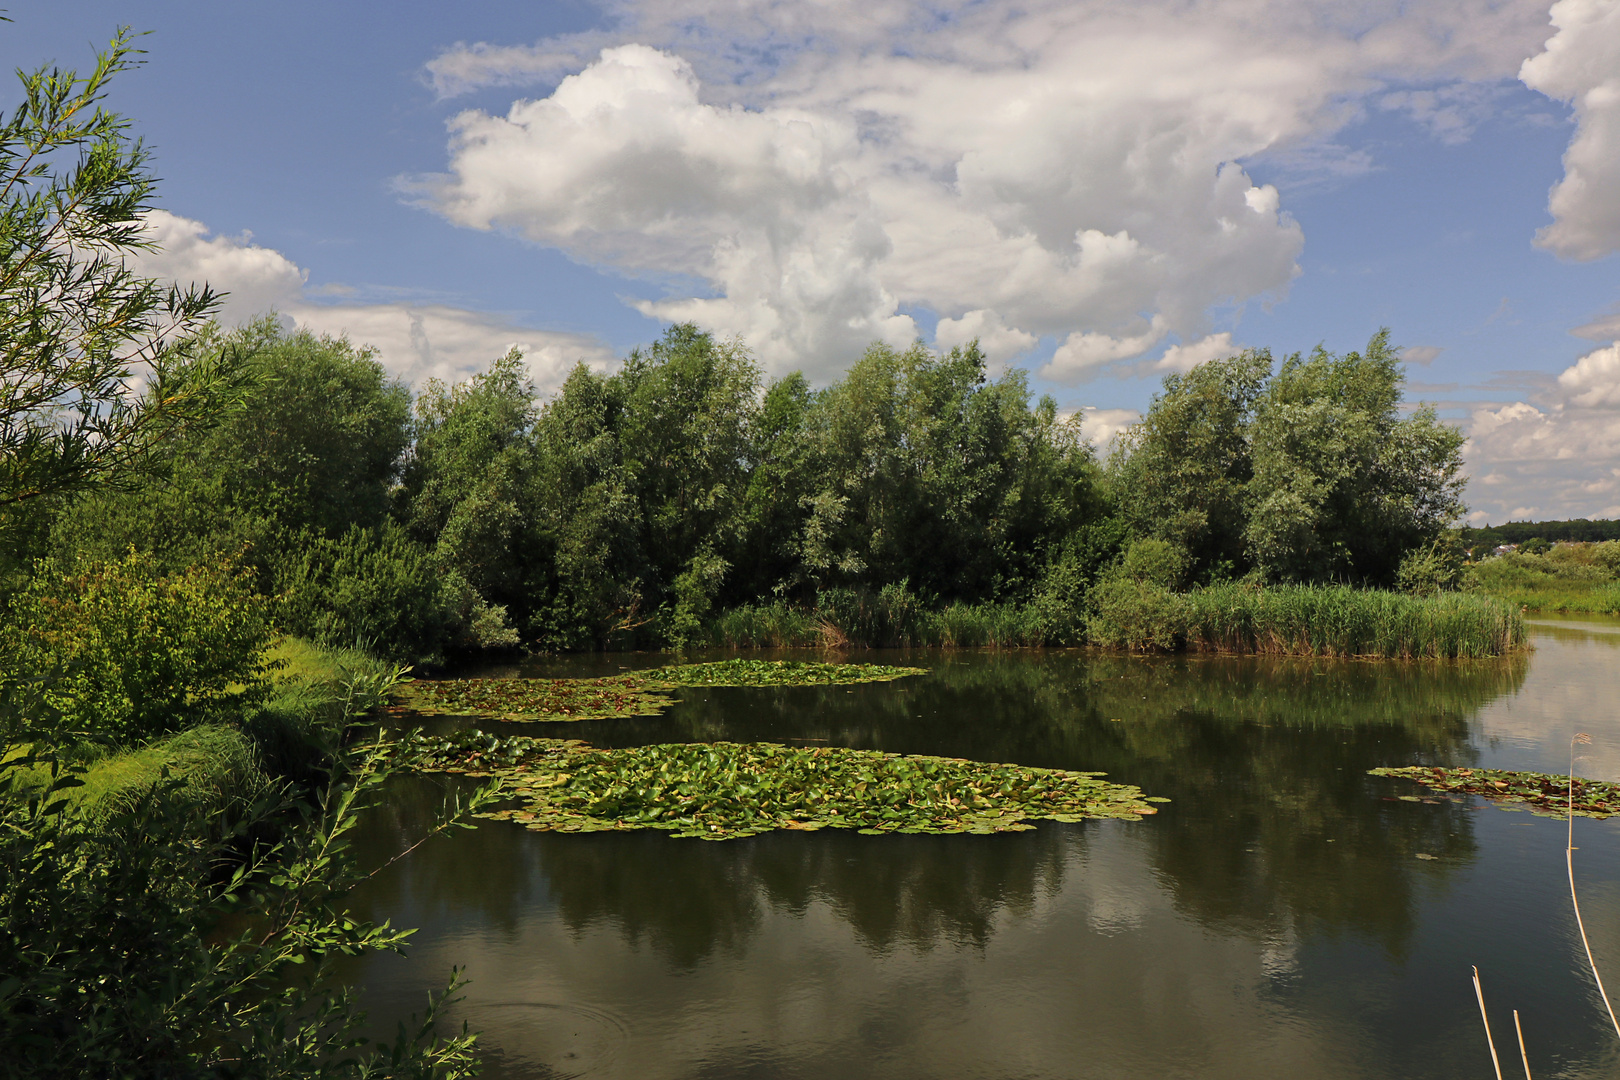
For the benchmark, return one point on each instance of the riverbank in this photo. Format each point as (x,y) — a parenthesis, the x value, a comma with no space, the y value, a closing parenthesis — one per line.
(1570,578)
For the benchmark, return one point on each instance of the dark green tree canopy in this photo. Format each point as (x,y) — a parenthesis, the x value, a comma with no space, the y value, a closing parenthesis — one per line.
(1308,474)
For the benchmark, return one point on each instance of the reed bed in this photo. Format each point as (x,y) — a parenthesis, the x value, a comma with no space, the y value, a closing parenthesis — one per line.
(890,619)
(1298,620)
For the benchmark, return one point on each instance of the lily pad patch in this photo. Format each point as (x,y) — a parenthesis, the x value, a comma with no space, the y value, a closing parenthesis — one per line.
(638,693)
(536,699)
(1544,794)
(720,791)
(779,673)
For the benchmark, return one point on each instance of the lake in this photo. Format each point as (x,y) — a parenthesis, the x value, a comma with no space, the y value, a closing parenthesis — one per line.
(1284,915)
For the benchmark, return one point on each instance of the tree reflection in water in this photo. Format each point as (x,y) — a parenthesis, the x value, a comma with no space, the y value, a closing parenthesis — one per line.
(1274,829)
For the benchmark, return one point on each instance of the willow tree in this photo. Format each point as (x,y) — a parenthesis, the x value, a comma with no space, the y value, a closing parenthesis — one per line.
(87,344)
(1314,472)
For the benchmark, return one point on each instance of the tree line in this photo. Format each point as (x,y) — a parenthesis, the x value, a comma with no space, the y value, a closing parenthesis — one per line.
(630,508)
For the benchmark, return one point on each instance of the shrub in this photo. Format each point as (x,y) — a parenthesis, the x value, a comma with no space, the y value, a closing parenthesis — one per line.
(1157,562)
(1138,615)
(1433,568)
(128,652)
(375,588)
(127,953)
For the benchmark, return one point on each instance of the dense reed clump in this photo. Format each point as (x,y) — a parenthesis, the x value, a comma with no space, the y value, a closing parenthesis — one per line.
(1302,620)
(891,617)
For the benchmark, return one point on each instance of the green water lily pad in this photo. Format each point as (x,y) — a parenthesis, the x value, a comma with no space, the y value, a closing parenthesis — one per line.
(719,791)
(536,699)
(638,693)
(778,673)
(1544,794)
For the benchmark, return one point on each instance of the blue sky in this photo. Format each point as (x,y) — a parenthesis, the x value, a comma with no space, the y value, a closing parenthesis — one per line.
(1101,192)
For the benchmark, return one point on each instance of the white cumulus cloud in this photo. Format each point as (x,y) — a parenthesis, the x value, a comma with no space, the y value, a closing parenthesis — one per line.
(803,174)
(1554,456)
(1188,356)
(414,341)
(1581,65)
(998,341)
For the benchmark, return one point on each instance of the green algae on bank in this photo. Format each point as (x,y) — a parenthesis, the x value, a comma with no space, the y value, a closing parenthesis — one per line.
(720,791)
(1544,794)
(639,693)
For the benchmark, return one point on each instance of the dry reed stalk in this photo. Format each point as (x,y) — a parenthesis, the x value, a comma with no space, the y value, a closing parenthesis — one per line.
(1479,992)
(1569,862)
(830,636)
(1523,1056)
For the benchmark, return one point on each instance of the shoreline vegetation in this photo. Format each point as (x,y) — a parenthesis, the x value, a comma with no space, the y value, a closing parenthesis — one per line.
(1138,616)
(1569,577)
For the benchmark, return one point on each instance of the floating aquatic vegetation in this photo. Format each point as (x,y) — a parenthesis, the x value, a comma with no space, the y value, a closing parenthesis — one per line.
(718,791)
(637,693)
(779,673)
(1543,794)
(537,699)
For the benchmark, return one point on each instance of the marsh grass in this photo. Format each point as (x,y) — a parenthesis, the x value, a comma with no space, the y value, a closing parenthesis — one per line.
(1303,620)
(889,619)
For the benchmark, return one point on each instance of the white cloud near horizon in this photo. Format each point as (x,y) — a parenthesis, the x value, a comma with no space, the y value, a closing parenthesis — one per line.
(414,341)
(1052,170)
(1555,457)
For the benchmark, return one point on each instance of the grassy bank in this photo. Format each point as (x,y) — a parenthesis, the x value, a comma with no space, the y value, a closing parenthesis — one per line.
(1304,621)
(223,767)
(1571,578)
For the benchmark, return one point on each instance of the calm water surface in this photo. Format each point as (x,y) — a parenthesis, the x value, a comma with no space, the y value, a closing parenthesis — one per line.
(1274,919)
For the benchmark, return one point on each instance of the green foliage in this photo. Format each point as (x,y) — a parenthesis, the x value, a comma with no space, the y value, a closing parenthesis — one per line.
(1156,562)
(1287,620)
(1342,486)
(681,489)
(126,953)
(719,791)
(375,588)
(76,322)
(896,620)
(1569,577)
(1138,615)
(1434,568)
(317,444)
(1577,530)
(130,652)
(1542,794)
(1307,475)
(467,493)
(1183,473)
(211,771)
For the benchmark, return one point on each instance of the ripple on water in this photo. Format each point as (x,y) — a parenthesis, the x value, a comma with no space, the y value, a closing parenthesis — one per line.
(561,1040)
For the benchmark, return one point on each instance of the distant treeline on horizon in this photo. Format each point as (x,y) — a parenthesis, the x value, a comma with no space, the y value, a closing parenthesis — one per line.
(1576,530)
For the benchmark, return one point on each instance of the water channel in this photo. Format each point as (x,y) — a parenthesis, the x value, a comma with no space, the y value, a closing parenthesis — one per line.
(1285,915)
